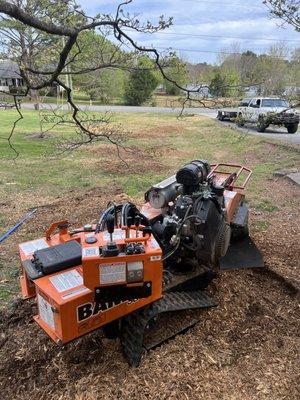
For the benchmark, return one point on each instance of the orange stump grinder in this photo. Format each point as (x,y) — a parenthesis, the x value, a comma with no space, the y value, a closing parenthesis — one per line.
(124,272)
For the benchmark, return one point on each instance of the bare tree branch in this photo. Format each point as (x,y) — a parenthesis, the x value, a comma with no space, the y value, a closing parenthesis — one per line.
(39,74)
(17,13)
(15,123)
(287,10)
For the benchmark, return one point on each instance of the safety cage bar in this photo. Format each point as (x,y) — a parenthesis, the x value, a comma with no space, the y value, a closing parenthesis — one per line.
(239,170)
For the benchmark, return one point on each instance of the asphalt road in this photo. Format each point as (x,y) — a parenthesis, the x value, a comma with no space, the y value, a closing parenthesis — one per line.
(270,133)
(134,109)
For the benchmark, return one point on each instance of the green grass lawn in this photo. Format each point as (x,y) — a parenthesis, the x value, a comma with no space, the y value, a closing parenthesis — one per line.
(161,143)
(161,138)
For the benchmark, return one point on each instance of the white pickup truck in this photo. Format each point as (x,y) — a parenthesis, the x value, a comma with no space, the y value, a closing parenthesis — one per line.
(265,111)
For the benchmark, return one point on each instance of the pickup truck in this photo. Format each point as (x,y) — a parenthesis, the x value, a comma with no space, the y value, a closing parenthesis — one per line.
(265,111)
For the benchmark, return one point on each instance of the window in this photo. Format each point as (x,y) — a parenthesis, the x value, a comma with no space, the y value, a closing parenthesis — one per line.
(255,103)
(244,103)
(274,103)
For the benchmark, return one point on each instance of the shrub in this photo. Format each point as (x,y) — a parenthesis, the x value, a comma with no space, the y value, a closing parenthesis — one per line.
(139,87)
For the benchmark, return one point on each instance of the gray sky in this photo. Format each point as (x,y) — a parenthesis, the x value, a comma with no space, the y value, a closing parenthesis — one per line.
(222,23)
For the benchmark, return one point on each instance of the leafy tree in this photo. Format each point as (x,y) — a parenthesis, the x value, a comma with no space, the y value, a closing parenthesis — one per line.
(273,71)
(199,73)
(140,84)
(108,85)
(177,70)
(217,85)
(35,49)
(295,68)
(294,76)
(224,83)
(100,83)
(247,67)
(233,86)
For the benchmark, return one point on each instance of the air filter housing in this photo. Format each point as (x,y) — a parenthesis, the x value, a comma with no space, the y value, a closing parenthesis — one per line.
(191,175)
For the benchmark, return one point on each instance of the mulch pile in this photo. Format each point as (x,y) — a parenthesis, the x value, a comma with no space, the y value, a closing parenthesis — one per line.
(247,348)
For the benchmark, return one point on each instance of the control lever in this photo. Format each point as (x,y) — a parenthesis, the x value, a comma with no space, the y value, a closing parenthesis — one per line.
(129,224)
(137,223)
(110,226)
(111,249)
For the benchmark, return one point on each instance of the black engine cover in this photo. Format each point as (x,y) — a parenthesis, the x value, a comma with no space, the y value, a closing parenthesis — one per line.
(211,233)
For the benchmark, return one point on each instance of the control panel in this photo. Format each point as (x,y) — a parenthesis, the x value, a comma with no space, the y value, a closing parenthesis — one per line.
(84,279)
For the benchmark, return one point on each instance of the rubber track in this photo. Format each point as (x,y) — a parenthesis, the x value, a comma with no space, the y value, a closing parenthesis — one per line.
(134,325)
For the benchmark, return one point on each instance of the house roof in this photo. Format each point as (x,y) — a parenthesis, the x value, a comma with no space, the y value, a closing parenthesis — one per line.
(9,70)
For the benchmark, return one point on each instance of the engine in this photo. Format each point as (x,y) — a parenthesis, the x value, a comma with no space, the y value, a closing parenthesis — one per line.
(193,219)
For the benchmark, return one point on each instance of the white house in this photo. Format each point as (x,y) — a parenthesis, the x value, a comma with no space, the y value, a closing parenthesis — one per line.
(9,76)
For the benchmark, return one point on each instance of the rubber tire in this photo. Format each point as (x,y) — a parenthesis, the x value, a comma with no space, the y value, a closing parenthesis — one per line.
(292,128)
(260,127)
(240,122)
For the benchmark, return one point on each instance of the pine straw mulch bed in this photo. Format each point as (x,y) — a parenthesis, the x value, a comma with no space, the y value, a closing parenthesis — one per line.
(247,348)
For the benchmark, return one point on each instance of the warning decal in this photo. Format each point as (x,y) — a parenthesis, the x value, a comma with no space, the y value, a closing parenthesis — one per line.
(153,244)
(45,311)
(112,273)
(67,280)
(90,252)
(30,247)
(75,293)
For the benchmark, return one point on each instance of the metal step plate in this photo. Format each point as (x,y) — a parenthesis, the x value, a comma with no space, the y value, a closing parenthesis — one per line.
(176,301)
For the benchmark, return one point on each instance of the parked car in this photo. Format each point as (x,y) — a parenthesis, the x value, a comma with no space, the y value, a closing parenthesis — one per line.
(265,111)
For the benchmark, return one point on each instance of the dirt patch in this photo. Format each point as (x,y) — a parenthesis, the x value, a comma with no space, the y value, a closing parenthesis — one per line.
(161,131)
(136,160)
(152,156)
(279,240)
(37,135)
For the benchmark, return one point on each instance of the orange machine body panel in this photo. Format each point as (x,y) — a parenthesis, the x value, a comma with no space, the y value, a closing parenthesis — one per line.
(234,192)
(66,299)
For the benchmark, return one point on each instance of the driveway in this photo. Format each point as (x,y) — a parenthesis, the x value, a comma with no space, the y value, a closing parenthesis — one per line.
(271,133)
(133,109)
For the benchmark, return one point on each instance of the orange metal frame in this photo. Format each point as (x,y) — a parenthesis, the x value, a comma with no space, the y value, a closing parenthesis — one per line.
(63,304)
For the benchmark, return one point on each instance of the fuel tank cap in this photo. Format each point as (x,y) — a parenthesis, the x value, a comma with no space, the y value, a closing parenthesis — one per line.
(90,240)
